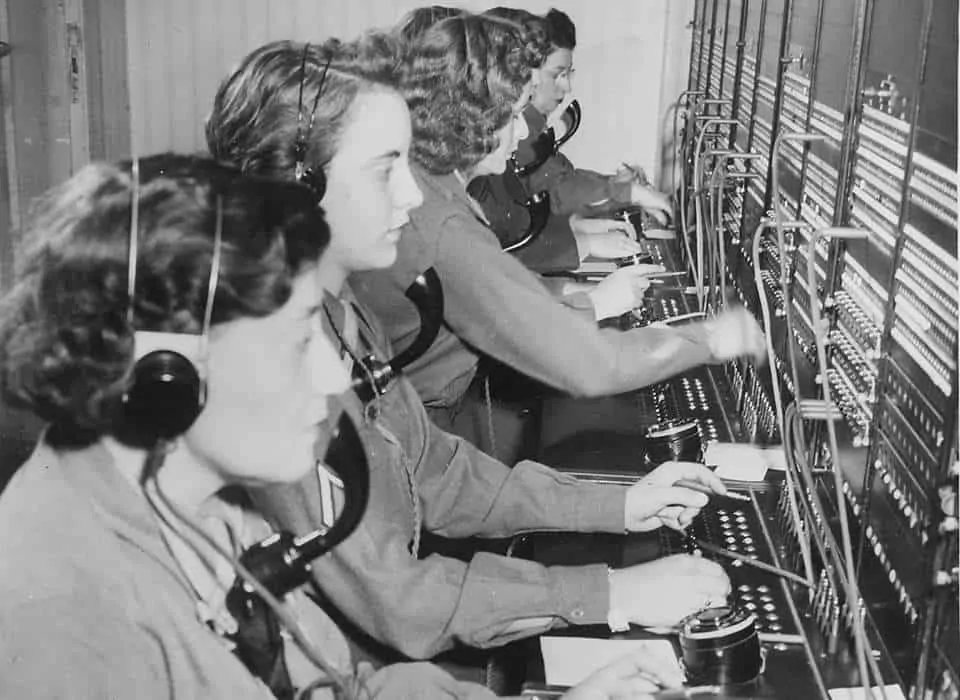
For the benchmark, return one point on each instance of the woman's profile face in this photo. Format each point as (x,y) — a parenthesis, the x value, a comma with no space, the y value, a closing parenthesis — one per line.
(370,190)
(552,81)
(269,381)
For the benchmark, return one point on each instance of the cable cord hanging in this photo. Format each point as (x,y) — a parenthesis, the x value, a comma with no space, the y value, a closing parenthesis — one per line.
(688,128)
(850,587)
(861,643)
(357,362)
(345,687)
(682,107)
(778,401)
(698,194)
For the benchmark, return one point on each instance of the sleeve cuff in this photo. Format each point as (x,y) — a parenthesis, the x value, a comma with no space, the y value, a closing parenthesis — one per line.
(619,191)
(616,620)
(583,249)
(600,508)
(582,593)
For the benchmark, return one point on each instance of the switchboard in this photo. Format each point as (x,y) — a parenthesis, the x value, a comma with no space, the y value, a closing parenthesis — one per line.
(818,186)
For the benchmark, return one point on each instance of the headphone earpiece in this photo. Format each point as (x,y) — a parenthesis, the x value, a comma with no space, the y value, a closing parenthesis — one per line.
(316,180)
(167,390)
(163,401)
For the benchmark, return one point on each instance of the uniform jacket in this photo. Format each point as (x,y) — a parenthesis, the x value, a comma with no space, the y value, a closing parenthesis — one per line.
(494,305)
(423,477)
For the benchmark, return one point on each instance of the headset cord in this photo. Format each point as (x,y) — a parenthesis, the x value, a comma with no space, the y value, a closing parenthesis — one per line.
(408,470)
(346,687)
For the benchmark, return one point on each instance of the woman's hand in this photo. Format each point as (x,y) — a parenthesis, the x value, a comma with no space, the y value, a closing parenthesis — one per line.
(634,676)
(656,203)
(622,290)
(658,500)
(604,238)
(631,173)
(611,246)
(582,226)
(734,333)
(664,591)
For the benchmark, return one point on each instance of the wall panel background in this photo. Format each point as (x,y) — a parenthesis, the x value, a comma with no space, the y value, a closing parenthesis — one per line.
(631,62)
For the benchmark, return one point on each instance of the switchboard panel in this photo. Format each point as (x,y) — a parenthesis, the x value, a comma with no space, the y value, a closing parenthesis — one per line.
(844,241)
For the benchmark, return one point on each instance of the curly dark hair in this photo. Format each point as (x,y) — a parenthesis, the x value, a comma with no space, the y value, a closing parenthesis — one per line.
(256,117)
(561,31)
(536,35)
(461,78)
(66,343)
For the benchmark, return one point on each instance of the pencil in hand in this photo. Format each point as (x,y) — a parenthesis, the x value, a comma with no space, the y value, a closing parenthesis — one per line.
(703,488)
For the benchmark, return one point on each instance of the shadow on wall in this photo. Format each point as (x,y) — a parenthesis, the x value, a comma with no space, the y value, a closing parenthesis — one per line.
(19,431)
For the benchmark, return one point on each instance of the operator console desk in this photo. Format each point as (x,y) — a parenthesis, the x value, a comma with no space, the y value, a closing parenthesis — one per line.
(602,440)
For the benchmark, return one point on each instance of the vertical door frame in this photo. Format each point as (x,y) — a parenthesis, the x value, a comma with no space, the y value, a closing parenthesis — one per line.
(107,80)
(9,187)
(75,43)
(77,67)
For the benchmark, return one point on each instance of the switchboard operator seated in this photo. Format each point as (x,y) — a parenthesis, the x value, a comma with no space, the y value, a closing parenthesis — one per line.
(578,196)
(596,237)
(110,587)
(493,304)
(564,239)
(355,149)
(105,590)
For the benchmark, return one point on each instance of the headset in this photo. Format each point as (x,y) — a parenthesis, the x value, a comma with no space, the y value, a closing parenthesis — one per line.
(372,376)
(314,178)
(536,206)
(168,389)
(547,144)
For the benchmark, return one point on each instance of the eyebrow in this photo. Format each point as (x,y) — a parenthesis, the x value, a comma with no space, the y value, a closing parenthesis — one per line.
(389,155)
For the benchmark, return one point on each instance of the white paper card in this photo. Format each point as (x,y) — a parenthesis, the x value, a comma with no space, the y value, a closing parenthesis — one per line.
(596,267)
(893,692)
(742,462)
(568,660)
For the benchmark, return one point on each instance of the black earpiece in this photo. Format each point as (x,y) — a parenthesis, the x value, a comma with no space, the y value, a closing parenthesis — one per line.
(371,376)
(547,144)
(167,390)
(163,400)
(314,178)
(572,115)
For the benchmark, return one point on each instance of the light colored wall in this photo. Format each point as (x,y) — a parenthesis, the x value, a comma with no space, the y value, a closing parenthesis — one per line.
(630,62)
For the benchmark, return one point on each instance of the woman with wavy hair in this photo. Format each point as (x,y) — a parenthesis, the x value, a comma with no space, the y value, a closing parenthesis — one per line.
(466,80)
(107,588)
(567,236)
(421,478)
(572,190)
